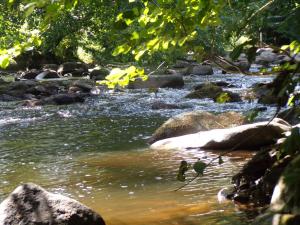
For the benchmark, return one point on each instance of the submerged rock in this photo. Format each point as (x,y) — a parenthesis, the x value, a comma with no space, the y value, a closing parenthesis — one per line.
(192,122)
(250,136)
(31,204)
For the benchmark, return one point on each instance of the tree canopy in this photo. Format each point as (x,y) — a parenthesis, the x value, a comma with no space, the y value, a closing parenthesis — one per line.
(145,31)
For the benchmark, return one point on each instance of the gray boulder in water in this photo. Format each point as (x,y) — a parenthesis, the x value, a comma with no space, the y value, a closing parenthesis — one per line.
(195,121)
(249,136)
(202,70)
(29,204)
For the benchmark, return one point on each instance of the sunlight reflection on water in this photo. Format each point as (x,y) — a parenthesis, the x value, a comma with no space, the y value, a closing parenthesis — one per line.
(103,161)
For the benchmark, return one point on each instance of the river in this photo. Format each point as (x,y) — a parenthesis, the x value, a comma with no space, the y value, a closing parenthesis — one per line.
(96,152)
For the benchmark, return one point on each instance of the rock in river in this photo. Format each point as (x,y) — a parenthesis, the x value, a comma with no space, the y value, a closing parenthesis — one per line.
(195,121)
(77,69)
(249,136)
(202,70)
(31,204)
(158,81)
(58,99)
(209,90)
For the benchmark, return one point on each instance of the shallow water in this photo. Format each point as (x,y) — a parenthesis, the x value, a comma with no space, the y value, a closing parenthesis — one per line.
(97,153)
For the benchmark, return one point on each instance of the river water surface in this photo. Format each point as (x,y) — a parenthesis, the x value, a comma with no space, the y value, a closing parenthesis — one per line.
(96,152)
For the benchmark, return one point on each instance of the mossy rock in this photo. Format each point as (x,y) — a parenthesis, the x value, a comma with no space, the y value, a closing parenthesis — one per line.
(206,91)
(210,90)
(227,96)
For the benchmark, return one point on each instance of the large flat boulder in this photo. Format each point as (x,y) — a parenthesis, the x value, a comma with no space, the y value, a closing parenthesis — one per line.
(29,204)
(195,121)
(249,136)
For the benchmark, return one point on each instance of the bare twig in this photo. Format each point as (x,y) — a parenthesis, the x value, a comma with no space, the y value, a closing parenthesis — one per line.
(160,65)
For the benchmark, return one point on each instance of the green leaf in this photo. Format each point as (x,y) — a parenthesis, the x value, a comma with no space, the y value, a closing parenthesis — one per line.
(152,42)
(199,167)
(29,8)
(223,97)
(122,77)
(165,44)
(236,52)
(291,101)
(122,49)
(251,115)
(139,55)
(135,36)
(4,61)
(182,170)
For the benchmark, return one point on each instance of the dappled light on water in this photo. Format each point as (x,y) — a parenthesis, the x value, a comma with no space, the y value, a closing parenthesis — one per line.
(97,153)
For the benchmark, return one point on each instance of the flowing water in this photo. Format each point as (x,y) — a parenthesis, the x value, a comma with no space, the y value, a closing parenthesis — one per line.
(96,152)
